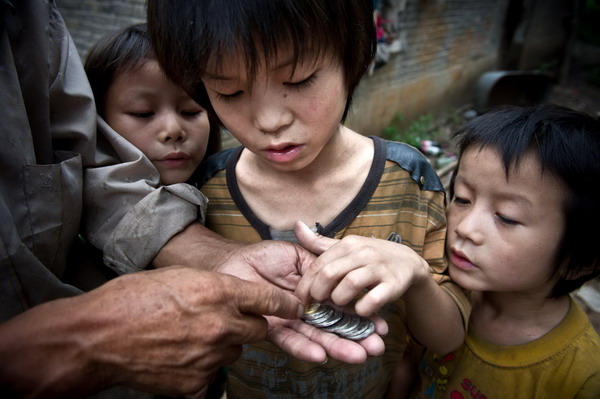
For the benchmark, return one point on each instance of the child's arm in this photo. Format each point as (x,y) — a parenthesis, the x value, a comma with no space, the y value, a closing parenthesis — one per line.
(389,270)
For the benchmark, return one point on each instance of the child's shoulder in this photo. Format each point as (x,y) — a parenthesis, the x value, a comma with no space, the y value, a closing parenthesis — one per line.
(415,163)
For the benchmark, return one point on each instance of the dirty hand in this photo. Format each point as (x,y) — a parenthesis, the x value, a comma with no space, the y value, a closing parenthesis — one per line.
(163,331)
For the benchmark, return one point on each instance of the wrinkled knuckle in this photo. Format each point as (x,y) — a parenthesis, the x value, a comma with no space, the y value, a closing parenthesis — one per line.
(272,299)
(314,267)
(257,333)
(376,302)
(369,252)
(353,281)
(328,273)
(217,331)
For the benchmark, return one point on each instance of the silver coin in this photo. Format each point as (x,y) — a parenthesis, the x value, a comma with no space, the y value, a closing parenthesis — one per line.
(334,318)
(312,308)
(363,330)
(314,311)
(334,328)
(316,319)
(350,326)
(357,337)
(319,314)
(346,324)
(331,320)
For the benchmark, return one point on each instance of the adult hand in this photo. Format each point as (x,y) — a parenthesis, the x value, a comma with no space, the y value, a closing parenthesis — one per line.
(276,262)
(164,331)
(309,343)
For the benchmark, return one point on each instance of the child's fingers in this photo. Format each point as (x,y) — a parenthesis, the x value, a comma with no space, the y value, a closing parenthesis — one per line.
(377,297)
(321,281)
(324,274)
(353,284)
(381,326)
(315,243)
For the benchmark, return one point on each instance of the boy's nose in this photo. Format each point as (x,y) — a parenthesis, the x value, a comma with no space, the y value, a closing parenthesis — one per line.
(271,116)
(172,130)
(469,226)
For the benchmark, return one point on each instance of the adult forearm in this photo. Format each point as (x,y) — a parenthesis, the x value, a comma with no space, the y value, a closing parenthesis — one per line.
(43,353)
(163,331)
(197,246)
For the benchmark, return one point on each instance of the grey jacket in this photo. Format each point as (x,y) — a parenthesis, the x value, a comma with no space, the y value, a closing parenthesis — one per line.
(48,139)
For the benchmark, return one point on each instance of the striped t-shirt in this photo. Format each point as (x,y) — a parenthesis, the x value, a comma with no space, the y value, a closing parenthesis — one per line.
(402,194)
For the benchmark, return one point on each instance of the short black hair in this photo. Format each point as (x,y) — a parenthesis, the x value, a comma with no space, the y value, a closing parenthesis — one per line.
(187,34)
(567,144)
(120,51)
(123,51)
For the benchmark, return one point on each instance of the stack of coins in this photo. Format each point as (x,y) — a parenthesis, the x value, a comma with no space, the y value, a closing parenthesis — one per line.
(328,319)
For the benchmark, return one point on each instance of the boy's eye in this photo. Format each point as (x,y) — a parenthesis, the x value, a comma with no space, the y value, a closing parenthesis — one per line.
(304,83)
(229,97)
(190,113)
(141,114)
(506,220)
(460,200)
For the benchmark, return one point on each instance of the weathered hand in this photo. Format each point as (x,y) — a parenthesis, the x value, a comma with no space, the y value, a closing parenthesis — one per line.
(164,331)
(279,263)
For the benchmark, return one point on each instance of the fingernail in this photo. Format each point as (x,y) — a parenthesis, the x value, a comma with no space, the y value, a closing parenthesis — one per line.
(324,361)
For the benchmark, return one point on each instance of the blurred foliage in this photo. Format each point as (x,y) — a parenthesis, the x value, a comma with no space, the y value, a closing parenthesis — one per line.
(419,129)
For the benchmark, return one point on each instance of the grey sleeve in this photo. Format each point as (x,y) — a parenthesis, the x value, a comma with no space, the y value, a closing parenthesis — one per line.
(128,214)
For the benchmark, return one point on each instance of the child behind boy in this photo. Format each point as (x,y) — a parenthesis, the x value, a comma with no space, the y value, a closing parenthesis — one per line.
(522,234)
(135,98)
(280,76)
(141,104)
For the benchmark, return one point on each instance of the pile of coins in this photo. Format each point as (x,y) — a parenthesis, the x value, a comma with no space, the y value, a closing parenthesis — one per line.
(328,319)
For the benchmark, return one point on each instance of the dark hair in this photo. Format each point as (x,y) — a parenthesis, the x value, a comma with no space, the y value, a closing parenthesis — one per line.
(125,51)
(187,34)
(121,51)
(567,145)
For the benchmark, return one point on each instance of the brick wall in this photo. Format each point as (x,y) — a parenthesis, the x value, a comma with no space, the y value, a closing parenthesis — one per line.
(89,20)
(447,44)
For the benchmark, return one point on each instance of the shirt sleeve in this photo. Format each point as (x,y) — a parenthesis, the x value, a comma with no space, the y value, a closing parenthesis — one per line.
(129,215)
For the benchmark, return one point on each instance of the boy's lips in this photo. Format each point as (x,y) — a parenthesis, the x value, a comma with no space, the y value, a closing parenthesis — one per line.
(460,260)
(283,152)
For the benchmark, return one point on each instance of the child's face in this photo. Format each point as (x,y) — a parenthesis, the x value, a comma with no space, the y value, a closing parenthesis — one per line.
(160,119)
(504,235)
(285,120)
